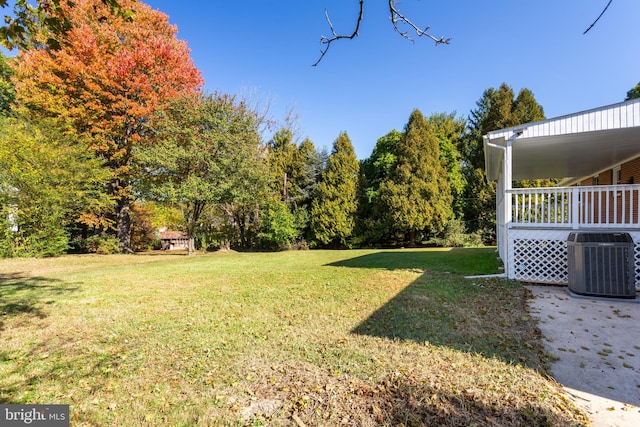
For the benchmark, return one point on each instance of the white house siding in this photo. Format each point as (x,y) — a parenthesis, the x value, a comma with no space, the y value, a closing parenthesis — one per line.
(616,116)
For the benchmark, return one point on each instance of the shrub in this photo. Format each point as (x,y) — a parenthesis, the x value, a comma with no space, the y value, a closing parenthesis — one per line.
(142,233)
(454,235)
(278,228)
(103,244)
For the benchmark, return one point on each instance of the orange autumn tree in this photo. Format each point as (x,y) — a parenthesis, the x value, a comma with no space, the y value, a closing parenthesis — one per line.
(104,83)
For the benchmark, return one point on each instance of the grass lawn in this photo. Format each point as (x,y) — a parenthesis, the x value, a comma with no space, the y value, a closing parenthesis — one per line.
(306,338)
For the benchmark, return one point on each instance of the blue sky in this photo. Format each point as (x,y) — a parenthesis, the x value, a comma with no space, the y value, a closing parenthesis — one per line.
(368,86)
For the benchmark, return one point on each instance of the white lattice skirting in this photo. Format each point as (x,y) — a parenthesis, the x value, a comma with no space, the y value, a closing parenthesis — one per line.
(540,256)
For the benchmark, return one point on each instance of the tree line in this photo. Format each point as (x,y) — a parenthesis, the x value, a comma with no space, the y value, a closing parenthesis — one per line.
(107,136)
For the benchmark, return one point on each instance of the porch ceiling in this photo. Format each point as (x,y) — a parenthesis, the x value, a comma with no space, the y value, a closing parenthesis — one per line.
(575,146)
(574,155)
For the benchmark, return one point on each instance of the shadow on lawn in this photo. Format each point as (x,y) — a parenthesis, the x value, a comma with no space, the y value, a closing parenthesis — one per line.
(487,316)
(24,299)
(406,401)
(400,399)
(22,295)
(468,261)
(52,363)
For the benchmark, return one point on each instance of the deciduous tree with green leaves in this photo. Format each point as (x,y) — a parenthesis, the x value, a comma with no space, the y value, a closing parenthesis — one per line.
(208,152)
(278,226)
(335,204)
(48,182)
(7,88)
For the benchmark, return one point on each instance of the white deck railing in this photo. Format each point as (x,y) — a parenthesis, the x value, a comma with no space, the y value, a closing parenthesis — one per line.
(603,206)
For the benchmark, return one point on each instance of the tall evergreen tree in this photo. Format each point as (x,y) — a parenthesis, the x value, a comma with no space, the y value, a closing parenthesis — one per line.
(526,109)
(294,172)
(281,160)
(449,130)
(496,109)
(334,207)
(374,223)
(417,194)
(633,92)
(313,163)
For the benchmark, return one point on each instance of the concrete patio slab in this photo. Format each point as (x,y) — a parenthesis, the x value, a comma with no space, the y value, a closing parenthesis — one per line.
(597,345)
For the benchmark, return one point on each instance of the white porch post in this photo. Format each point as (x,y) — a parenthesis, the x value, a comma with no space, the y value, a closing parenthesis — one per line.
(508,181)
(575,208)
(507,213)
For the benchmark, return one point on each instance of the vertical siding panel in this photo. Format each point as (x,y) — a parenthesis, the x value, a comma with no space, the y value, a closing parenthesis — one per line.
(585,123)
(588,119)
(580,124)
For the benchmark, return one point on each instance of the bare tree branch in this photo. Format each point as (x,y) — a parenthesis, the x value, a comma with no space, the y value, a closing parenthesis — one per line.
(396,19)
(599,16)
(399,18)
(326,41)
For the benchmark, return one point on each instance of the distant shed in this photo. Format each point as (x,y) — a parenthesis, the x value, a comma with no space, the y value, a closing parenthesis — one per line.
(174,240)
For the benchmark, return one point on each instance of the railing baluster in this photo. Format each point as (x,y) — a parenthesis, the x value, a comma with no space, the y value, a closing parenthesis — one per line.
(576,208)
(606,218)
(633,208)
(614,202)
(623,207)
(588,206)
(594,206)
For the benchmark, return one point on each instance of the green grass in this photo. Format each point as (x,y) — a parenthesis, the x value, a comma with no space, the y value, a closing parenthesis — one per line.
(360,337)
